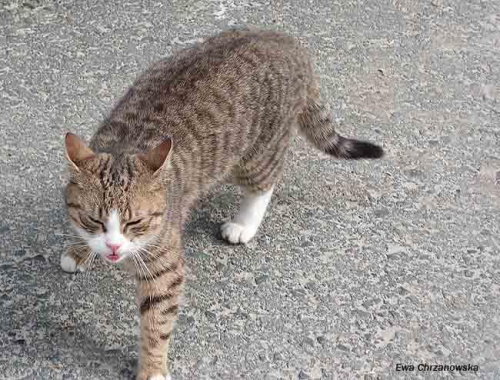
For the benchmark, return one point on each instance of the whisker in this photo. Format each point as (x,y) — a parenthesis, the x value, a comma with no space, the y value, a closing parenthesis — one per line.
(79,244)
(88,264)
(76,240)
(141,270)
(88,261)
(145,250)
(154,245)
(144,266)
(74,235)
(135,262)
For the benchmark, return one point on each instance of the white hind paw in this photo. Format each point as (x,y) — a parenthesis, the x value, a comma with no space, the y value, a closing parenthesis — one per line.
(68,264)
(236,233)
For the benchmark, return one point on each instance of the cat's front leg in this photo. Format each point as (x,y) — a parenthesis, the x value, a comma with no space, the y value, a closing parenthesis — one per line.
(159,294)
(76,258)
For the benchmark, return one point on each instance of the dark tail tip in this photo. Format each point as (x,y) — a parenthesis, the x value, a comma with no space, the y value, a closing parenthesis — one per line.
(355,149)
(364,149)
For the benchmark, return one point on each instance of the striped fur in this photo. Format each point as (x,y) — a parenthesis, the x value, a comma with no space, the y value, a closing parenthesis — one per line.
(225,109)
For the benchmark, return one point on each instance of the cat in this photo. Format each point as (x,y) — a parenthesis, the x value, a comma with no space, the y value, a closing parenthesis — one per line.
(224,110)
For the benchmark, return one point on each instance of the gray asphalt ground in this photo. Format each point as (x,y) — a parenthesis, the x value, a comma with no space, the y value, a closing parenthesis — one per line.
(359,266)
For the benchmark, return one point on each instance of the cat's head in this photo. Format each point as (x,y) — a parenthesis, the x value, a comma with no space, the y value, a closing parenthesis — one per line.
(116,203)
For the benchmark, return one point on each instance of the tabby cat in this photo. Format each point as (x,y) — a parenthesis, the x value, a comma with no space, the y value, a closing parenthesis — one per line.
(224,110)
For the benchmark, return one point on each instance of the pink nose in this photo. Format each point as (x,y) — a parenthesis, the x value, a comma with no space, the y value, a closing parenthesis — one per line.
(114,247)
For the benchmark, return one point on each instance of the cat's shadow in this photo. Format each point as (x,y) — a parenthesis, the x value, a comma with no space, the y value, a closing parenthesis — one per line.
(210,212)
(80,348)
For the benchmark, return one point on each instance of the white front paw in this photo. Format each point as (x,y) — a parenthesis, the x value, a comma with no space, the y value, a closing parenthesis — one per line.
(68,264)
(236,233)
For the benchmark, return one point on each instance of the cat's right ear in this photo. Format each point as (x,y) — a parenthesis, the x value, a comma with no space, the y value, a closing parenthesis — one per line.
(76,150)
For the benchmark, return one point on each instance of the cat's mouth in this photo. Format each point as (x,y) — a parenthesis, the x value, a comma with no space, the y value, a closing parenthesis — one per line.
(114,258)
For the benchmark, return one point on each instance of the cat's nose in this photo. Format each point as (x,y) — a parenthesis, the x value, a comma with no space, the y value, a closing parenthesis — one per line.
(114,247)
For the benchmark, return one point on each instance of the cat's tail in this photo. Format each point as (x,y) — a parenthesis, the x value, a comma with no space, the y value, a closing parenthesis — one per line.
(316,124)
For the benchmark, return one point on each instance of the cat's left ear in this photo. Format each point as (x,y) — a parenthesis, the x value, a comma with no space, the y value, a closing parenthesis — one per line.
(157,158)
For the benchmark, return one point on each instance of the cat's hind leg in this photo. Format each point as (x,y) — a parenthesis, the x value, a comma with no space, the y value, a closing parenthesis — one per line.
(76,258)
(257,174)
(243,227)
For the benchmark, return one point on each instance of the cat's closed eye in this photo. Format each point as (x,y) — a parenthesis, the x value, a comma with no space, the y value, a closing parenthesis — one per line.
(134,224)
(90,224)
